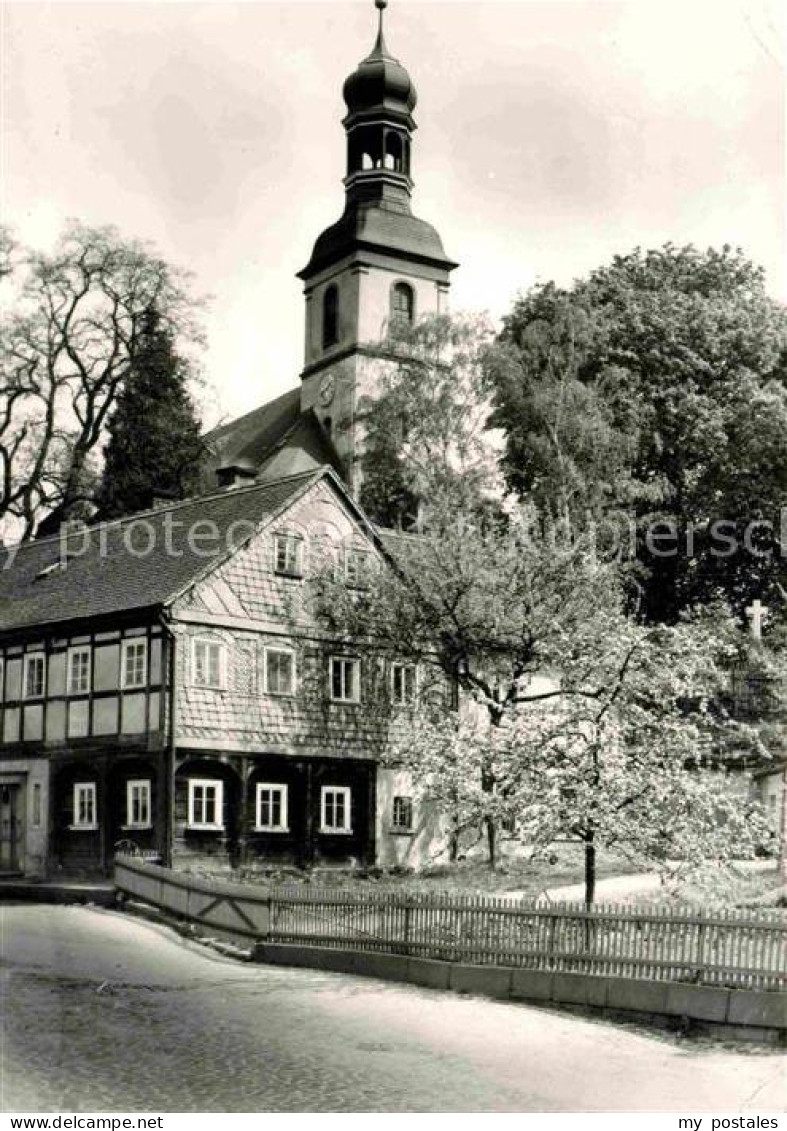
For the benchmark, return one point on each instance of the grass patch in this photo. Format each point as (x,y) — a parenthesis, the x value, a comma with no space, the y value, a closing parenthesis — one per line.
(751,884)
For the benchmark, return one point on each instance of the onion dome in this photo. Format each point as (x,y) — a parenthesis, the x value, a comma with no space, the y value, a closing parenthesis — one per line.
(379,82)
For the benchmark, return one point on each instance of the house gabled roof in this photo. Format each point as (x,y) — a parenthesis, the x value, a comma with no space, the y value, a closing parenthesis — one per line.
(140,562)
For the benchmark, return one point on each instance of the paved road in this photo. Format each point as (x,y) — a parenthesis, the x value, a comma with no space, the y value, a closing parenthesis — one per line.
(102,1012)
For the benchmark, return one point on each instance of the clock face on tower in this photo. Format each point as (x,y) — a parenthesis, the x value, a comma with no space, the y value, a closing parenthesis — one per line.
(327,389)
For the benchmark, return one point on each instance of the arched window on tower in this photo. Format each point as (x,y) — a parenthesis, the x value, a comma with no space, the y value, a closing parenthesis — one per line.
(393,152)
(402,304)
(330,316)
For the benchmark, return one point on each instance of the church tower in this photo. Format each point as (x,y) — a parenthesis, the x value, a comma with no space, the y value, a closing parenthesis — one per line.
(379,263)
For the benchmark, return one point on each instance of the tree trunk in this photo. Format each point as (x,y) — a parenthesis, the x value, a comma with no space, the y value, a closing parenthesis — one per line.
(491,840)
(590,869)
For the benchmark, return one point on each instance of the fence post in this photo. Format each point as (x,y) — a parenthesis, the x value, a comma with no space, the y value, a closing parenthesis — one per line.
(701,948)
(265,919)
(406,940)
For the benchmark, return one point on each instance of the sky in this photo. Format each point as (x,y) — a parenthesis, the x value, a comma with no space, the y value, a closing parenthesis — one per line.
(553,134)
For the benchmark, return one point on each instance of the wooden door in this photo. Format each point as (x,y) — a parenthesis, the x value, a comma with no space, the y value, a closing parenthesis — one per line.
(10,828)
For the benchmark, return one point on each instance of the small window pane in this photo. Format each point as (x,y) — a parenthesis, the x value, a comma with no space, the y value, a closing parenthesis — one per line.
(78,671)
(403,684)
(205,804)
(85,805)
(336,809)
(34,675)
(135,663)
(356,564)
(330,316)
(289,554)
(138,804)
(402,813)
(208,663)
(402,303)
(272,808)
(344,679)
(279,672)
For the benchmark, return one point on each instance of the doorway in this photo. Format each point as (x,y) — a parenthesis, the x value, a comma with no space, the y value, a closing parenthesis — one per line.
(11,828)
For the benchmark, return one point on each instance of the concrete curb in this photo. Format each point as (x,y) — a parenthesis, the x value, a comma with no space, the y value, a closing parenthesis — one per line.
(753,1015)
(21,891)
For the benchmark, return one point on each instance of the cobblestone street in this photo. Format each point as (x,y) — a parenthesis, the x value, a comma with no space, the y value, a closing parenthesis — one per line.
(102,1012)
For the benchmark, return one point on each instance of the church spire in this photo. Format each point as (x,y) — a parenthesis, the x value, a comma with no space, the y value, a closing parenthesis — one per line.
(380,98)
(379,47)
(377,264)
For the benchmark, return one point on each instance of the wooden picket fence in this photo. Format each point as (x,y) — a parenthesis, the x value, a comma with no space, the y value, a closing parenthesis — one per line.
(743,949)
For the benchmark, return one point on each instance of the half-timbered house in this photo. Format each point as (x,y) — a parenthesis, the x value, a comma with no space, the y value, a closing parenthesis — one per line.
(166,686)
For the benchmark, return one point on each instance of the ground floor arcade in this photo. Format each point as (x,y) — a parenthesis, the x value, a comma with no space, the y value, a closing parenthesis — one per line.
(70,813)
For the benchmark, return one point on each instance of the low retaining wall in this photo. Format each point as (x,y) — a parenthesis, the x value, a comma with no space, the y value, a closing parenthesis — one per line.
(756,1015)
(241,912)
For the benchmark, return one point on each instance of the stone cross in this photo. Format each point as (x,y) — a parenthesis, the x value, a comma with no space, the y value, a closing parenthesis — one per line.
(756,613)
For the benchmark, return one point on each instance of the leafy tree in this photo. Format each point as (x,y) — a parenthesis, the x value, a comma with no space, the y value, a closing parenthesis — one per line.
(154,443)
(624,755)
(486,605)
(71,329)
(528,619)
(656,389)
(426,427)
(574,720)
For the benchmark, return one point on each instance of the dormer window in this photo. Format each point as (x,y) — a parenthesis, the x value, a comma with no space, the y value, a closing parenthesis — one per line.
(288,554)
(402,304)
(330,316)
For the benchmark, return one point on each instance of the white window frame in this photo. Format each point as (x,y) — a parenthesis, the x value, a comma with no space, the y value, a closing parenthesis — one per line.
(355,697)
(30,659)
(283,792)
(346,793)
(146,786)
(2,679)
(289,537)
(85,789)
(283,650)
(395,825)
(128,644)
(358,578)
(403,667)
(210,783)
(79,650)
(206,642)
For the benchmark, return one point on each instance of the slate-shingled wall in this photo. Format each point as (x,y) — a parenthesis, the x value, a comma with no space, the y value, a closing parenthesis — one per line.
(245,605)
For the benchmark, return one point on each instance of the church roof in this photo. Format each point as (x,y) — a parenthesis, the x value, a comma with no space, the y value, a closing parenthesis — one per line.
(273,441)
(304,447)
(377,228)
(105,573)
(246,441)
